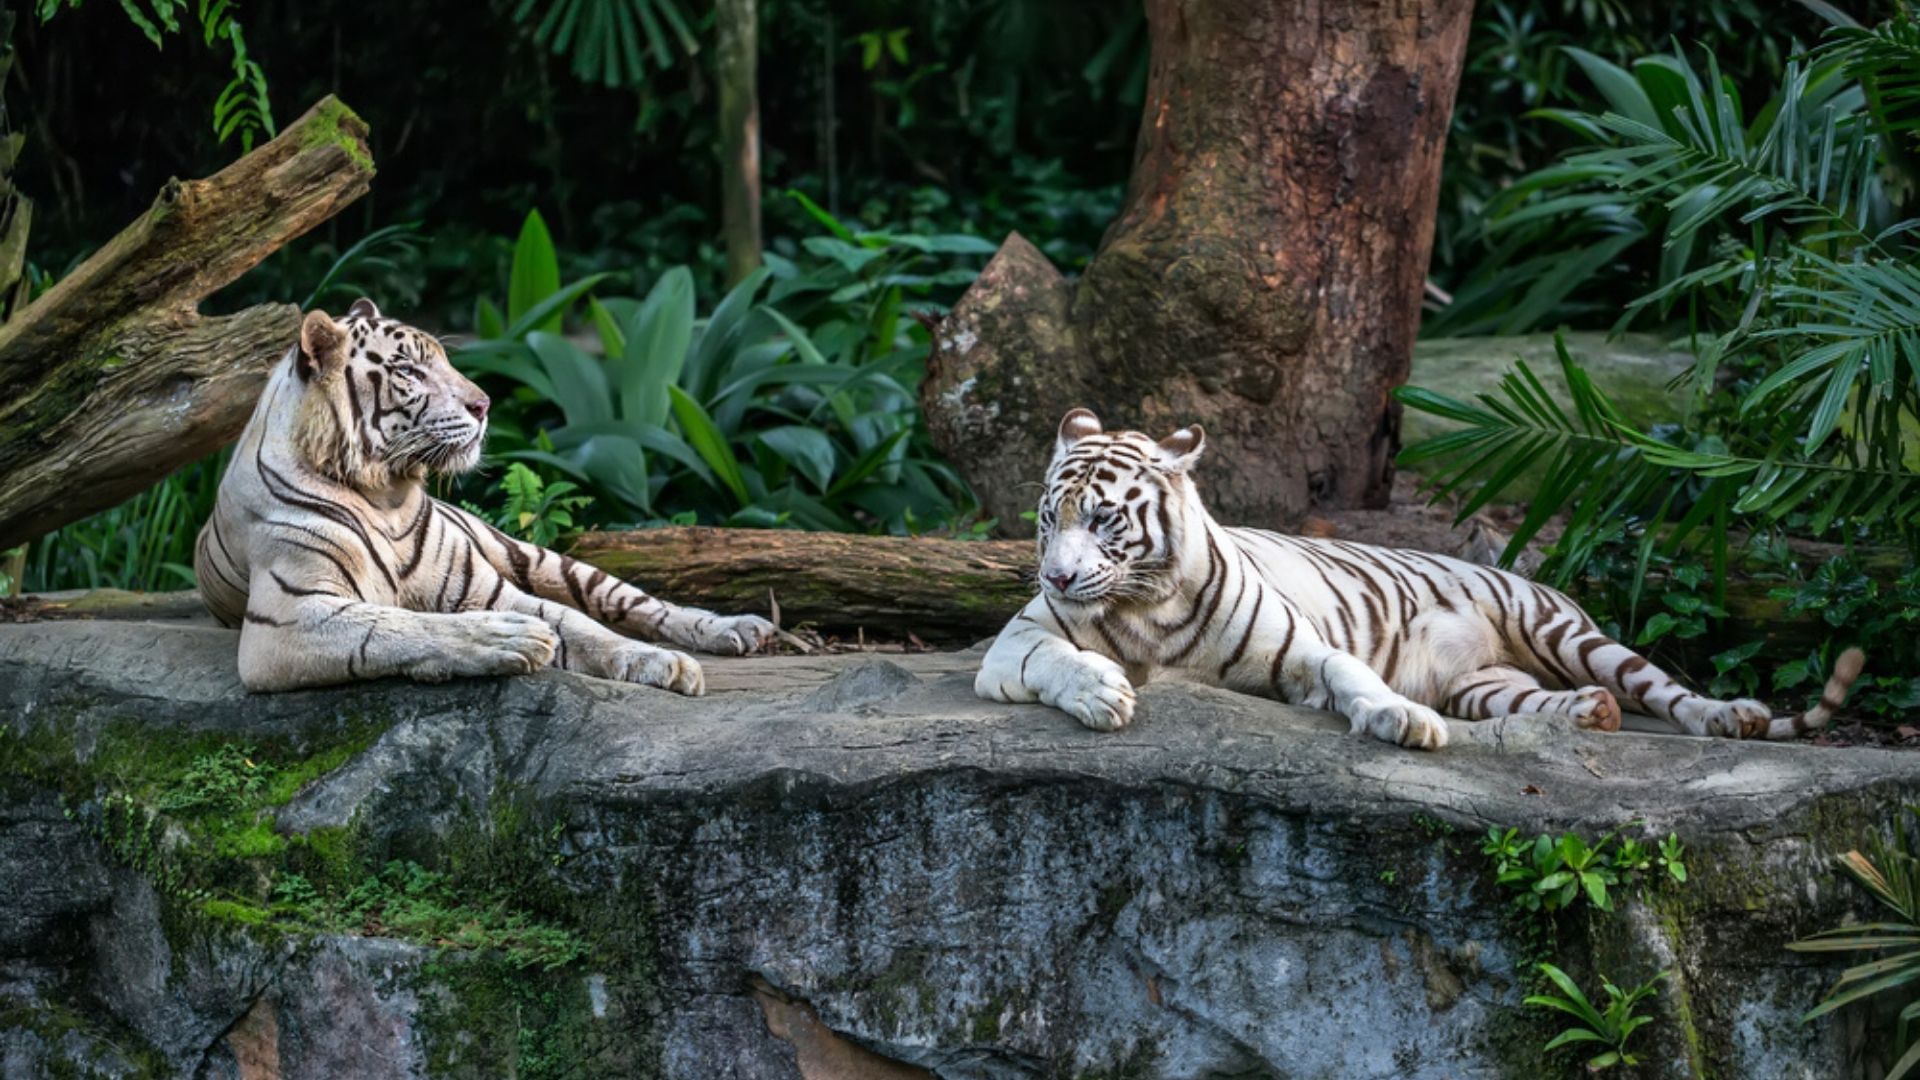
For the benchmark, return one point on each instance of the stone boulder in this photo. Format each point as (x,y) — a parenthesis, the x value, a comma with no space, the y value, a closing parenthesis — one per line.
(852,867)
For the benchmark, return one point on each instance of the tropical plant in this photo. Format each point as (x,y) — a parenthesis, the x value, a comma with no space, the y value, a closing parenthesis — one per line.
(1822,336)
(1891,874)
(609,41)
(144,543)
(242,107)
(1611,1027)
(744,417)
(1548,874)
(537,510)
(1514,255)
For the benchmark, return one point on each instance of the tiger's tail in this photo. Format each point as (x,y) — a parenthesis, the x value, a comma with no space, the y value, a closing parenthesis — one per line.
(1845,670)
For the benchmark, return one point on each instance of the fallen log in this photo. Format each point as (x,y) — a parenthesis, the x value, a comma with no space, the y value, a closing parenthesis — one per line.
(942,590)
(113,379)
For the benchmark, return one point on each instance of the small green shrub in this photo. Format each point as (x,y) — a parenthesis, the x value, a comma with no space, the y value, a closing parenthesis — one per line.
(1549,874)
(1610,1027)
(536,510)
(224,779)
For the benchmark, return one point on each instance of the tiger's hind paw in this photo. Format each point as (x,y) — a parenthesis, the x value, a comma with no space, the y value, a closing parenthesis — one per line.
(1740,719)
(734,635)
(1403,722)
(1596,709)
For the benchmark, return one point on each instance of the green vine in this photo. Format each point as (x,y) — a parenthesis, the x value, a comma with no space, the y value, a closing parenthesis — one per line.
(242,108)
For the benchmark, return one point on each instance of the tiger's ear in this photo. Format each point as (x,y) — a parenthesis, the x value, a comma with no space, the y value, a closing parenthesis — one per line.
(1177,452)
(323,345)
(1076,425)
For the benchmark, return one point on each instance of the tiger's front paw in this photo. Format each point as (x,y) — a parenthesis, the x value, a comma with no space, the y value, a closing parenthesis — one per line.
(501,643)
(1095,692)
(1403,722)
(733,635)
(649,665)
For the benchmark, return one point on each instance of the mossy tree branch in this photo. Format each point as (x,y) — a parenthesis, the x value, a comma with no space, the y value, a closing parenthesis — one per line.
(113,379)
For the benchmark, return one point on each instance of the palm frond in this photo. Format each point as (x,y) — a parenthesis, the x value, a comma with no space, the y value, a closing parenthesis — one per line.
(1593,462)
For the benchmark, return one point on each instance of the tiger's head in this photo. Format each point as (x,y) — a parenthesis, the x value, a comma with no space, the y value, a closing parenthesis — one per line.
(1114,513)
(381,402)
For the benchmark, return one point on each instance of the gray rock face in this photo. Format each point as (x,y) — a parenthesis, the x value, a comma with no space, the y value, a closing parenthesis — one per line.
(852,867)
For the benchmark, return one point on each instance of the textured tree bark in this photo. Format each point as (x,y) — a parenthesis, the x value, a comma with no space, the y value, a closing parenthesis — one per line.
(113,379)
(943,590)
(738,59)
(1263,277)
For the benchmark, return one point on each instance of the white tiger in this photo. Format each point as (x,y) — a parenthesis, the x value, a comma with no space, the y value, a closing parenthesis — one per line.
(325,549)
(1137,578)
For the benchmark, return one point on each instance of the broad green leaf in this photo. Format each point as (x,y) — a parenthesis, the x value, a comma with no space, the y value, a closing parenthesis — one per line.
(808,450)
(1623,92)
(579,384)
(656,348)
(709,443)
(535,274)
(487,320)
(549,313)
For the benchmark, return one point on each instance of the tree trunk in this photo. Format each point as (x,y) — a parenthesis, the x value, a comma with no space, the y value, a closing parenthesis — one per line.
(738,57)
(951,591)
(113,379)
(1263,278)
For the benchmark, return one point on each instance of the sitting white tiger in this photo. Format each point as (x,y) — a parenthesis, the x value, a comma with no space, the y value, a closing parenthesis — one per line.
(328,553)
(1136,577)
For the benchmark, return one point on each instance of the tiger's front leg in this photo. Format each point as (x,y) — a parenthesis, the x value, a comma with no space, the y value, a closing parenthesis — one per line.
(586,647)
(564,581)
(1036,659)
(304,627)
(1282,656)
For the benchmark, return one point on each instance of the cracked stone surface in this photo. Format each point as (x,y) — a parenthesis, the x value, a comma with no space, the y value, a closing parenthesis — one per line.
(849,866)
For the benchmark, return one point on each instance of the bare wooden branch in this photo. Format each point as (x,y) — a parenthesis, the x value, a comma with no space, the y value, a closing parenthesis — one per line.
(113,379)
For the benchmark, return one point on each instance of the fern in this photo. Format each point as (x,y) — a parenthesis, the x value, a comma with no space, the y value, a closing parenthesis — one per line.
(242,108)
(538,511)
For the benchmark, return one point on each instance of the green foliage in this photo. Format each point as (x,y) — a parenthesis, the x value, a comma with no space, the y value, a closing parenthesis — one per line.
(1815,312)
(538,511)
(405,899)
(377,252)
(1860,607)
(610,41)
(1533,68)
(242,107)
(144,543)
(223,779)
(1891,875)
(1611,1027)
(1549,874)
(791,403)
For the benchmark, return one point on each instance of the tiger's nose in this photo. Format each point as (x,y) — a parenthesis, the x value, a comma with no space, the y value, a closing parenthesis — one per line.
(478,407)
(1060,581)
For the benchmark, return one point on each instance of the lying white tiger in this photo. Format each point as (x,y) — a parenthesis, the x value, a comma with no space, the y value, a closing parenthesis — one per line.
(327,552)
(1136,577)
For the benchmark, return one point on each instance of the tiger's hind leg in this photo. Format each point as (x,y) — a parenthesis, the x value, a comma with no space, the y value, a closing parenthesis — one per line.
(1500,690)
(1571,650)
